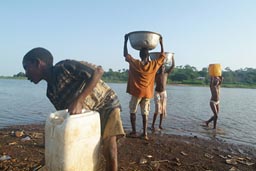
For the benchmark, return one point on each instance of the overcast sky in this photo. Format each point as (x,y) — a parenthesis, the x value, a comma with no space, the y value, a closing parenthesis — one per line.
(199,32)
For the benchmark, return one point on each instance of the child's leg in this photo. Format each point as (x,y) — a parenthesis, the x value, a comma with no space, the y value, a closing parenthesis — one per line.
(154,120)
(145,107)
(133,123)
(161,120)
(163,101)
(110,153)
(145,123)
(157,109)
(134,102)
(215,113)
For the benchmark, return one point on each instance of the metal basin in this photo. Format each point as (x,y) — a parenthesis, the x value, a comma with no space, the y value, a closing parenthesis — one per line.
(168,57)
(144,39)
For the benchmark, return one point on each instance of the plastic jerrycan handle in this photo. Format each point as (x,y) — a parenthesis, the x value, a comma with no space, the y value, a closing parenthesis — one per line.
(83,111)
(57,119)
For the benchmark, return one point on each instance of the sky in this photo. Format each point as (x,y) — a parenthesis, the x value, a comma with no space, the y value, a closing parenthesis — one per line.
(199,32)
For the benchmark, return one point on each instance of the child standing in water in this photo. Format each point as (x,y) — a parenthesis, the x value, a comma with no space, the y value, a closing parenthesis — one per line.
(140,84)
(215,83)
(160,96)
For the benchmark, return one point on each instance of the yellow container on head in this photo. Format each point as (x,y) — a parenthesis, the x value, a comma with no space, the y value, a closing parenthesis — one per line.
(214,70)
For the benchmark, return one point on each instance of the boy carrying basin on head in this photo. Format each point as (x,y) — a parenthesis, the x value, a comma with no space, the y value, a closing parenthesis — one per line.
(140,84)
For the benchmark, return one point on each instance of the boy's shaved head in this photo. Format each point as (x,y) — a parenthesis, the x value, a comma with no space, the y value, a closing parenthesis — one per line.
(39,53)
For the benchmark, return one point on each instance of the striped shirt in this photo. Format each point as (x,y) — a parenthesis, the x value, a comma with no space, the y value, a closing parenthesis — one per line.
(69,79)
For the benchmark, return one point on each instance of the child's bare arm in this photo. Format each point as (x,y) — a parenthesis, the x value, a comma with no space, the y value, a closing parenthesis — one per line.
(77,105)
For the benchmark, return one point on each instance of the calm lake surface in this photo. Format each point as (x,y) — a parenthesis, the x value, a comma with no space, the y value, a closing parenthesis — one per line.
(22,102)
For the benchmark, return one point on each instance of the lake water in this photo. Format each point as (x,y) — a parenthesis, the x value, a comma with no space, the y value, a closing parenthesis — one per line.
(22,102)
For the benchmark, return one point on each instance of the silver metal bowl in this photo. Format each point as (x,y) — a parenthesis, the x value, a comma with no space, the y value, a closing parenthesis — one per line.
(168,57)
(144,39)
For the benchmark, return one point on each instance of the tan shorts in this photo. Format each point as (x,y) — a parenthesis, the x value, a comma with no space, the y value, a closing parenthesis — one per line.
(144,105)
(114,126)
(160,103)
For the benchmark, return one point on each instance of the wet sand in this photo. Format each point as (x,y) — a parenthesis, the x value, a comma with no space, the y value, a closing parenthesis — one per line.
(160,153)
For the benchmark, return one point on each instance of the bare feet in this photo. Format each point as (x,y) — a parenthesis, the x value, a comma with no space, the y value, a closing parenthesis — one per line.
(205,124)
(132,135)
(143,136)
(153,128)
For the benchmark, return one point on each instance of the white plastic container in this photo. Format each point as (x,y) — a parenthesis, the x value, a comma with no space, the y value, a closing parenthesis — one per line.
(72,141)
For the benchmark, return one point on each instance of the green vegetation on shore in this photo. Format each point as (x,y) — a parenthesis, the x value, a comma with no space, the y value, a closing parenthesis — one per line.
(188,75)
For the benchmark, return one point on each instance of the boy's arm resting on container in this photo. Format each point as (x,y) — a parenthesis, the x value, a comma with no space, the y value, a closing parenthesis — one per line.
(77,106)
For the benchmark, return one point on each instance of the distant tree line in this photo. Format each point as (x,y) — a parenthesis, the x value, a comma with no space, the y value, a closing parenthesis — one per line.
(189,75)
(20,74)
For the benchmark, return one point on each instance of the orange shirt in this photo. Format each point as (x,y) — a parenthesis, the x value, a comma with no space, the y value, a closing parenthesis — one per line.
(142,77)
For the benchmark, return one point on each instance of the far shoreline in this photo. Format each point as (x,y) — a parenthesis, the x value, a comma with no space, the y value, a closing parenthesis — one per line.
(244,86)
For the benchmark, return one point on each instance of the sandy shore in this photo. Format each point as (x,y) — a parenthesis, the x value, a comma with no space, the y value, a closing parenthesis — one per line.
(160,153)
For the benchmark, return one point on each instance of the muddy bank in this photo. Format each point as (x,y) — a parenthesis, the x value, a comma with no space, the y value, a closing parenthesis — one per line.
(22,149)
